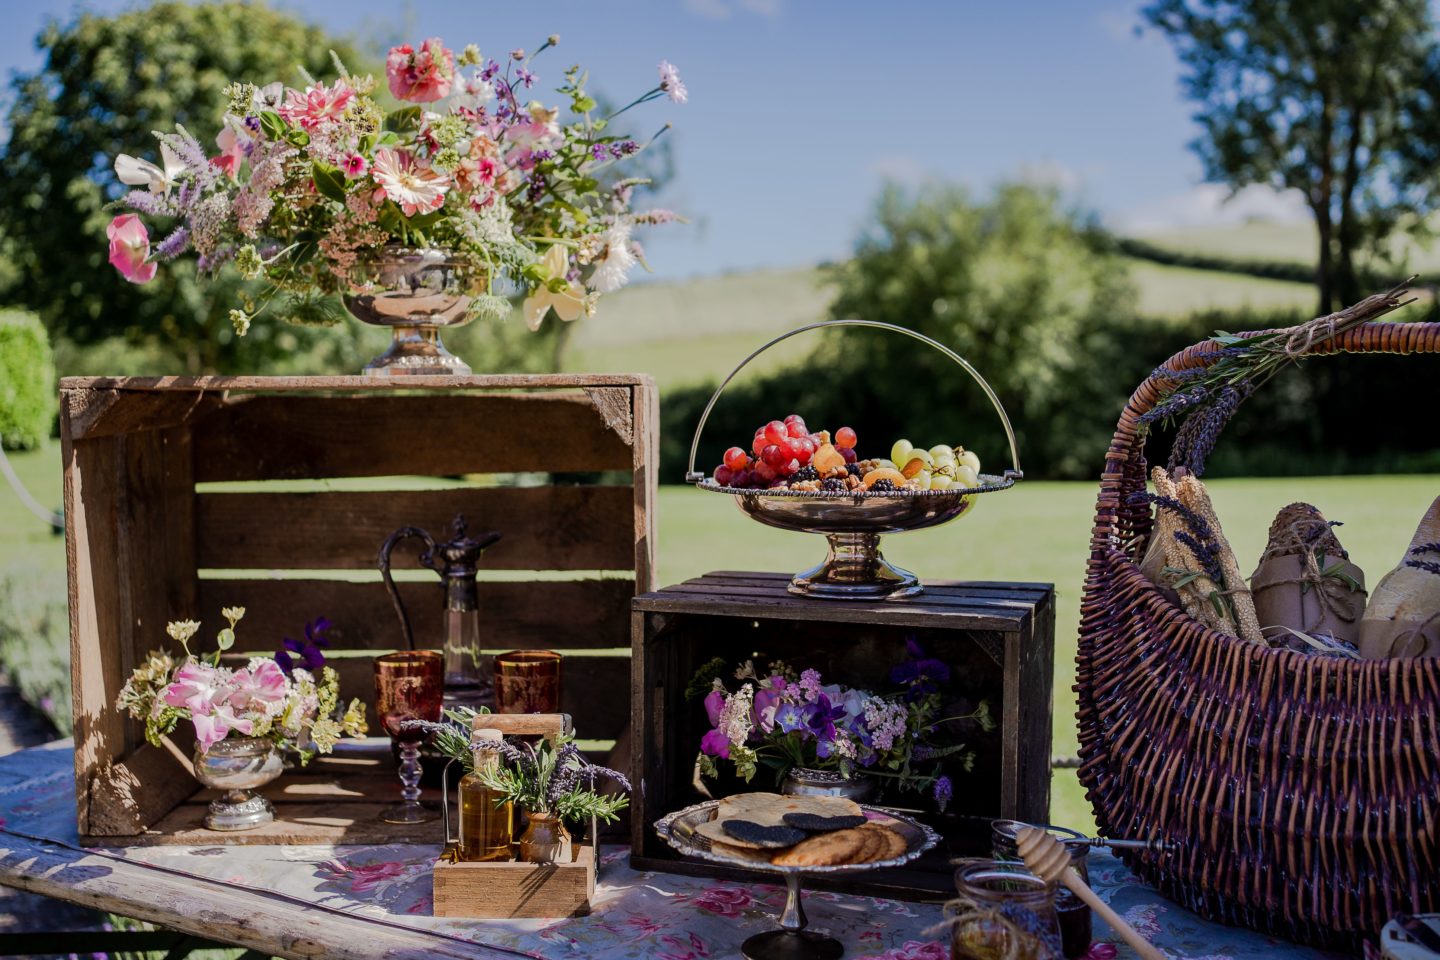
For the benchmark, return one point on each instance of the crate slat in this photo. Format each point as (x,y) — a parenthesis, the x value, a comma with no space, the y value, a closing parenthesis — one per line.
(520,615)
(545,528)
(288,438)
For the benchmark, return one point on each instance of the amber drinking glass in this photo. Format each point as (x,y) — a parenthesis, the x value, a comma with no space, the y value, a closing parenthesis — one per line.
(527,681)
(409,686)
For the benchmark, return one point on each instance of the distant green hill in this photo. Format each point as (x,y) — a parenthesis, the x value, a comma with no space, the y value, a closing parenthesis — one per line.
(696,330)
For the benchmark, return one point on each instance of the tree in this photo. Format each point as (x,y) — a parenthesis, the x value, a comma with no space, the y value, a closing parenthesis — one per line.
(107,82)
(1335,98)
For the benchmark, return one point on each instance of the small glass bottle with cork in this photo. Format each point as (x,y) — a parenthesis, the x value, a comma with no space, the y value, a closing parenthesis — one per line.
(487,820)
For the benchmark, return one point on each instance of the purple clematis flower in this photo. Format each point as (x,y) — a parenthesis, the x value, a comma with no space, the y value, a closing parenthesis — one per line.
(920,675)
(822,716)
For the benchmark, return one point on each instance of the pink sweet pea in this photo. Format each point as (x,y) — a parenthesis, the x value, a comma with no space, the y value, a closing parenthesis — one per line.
(251,689)
(714,701)
(231,153)
(715,744)
(204,690)
(767,700)
(420,77)
(130,248)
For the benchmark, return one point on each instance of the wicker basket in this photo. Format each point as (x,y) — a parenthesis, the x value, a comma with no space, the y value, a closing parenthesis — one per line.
(1302,792)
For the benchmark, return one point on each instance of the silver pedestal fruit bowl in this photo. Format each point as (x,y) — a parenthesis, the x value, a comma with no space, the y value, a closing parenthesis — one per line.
(416,293)
(238,765)
(854,521)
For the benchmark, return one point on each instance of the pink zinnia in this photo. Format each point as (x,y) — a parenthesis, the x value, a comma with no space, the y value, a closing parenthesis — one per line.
(318,105)
(421,77)
(415,188)
(130,248)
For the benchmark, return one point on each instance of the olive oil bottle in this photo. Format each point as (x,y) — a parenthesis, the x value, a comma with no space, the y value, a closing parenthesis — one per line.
(487,823)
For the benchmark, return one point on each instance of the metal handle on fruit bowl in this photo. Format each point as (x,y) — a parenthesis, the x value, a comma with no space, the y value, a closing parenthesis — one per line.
(1014,473)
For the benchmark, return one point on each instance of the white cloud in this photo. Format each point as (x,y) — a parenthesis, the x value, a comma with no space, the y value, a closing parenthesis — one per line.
(1211,205)
(723,9)
(901,169)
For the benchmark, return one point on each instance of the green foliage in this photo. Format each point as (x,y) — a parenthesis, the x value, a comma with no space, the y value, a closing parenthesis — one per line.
(1334,99)
(27,381)
(107,82)
(35,640)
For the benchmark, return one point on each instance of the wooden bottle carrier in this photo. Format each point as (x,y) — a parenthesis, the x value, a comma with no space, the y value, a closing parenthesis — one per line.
(186,494)
(997,639)
(513,890)
(1299,792)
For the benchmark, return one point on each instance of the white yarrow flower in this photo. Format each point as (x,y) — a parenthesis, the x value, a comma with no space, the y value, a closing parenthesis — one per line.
(613,266)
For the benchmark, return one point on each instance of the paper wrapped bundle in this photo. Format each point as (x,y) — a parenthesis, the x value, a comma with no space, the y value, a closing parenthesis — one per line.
(1403,618)
(1306,584)
(1190,557)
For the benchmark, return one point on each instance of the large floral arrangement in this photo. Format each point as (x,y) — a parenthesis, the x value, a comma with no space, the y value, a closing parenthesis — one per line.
(289,705)
(310,185)
(782,720)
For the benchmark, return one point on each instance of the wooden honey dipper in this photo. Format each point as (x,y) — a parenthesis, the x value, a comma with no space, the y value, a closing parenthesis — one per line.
(1046,857)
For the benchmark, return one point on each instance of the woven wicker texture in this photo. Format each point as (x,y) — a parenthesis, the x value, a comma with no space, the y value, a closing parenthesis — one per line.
(1303,792)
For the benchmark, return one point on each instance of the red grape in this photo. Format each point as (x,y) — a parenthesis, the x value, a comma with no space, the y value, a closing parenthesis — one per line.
(764,472)
(775,432)
(848,453)
(736,459)
(724,475)
(790,468)
(742,478)
(759,443)
(801,449)
(775,455)
(792,418)
(797,428)
(845,438)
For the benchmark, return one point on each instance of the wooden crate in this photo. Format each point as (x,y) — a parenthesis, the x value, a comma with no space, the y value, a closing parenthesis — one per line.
(997,638)
(507,891)
(186,494)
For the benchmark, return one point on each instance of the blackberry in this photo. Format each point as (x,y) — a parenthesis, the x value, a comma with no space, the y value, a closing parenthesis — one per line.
(803,474)
(833,484)
(854,469)
(880,486)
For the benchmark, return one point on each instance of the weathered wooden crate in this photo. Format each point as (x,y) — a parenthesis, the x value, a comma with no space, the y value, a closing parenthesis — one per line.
(186,494)
(997,638)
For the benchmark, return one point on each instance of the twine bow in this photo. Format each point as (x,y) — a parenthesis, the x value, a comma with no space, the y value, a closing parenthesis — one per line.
(963,911)
(1307,334)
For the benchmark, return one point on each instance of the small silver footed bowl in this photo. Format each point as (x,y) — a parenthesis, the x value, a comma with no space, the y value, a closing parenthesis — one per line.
(238,765)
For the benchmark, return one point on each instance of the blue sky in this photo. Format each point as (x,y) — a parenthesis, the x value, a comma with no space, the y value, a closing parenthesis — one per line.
(800,109)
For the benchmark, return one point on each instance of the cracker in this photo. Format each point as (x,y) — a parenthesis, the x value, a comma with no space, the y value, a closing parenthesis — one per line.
(826,849)
(769,809)
(762,835)
(813,823)
(892,844)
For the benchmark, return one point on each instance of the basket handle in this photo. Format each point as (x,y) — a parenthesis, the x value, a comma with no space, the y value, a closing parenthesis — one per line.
(1116,518)
(1014,473)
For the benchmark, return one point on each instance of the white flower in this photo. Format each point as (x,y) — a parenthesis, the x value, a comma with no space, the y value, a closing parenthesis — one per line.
(478,92)
(671,83)
(415,188)
(612,267)
(568,302)
(182,630)
(735,715)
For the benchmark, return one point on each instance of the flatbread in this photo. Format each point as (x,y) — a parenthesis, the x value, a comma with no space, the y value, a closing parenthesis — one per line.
(770,808)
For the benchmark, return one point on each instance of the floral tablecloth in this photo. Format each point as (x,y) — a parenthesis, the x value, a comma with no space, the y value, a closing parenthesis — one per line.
(636,914)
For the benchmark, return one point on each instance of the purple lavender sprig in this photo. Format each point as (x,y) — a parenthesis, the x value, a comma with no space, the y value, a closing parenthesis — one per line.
(1199,538)
(175,244)
(1199,433)
(1429,566)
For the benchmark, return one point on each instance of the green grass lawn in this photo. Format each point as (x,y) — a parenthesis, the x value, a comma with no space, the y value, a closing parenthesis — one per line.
(1036,532)
(1284,242)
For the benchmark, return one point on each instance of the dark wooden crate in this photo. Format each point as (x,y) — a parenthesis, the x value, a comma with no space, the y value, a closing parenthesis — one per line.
(998,639)
(185,494)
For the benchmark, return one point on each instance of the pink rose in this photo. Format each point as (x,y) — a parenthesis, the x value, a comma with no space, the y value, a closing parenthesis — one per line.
(420,77)
(130,248)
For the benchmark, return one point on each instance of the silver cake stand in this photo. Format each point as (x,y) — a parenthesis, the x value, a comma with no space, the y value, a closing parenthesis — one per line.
(851,521)
(792,941)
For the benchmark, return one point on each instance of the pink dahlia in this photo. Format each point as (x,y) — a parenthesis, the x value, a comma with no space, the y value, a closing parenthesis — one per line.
(415,188)
(317,105)
(130,248)
(421,77)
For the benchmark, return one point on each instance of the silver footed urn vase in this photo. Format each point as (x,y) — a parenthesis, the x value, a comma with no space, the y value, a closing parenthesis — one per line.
(416,293)
(237,766)
(805,782)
